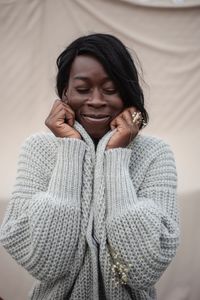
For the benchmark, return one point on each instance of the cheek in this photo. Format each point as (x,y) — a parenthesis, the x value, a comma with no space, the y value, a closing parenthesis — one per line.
(75,100)
(117,105)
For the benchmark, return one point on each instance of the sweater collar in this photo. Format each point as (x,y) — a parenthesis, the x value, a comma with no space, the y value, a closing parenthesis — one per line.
(86,137)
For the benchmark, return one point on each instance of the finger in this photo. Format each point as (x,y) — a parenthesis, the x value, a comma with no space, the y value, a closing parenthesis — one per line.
(69,117)
(136,115)
(137,119)
(55,120)
(56,103)
(119,122)
(113,123)
(56,111)
(68,107)
(66,113)
(132,116)
(132,109)
(59,116)
(127,116)
(57,106)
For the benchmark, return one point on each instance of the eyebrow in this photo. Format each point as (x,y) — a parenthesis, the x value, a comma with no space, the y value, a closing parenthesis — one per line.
(80,78)
(87,78)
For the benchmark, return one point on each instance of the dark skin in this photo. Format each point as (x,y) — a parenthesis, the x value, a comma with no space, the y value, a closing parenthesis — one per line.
(93,100)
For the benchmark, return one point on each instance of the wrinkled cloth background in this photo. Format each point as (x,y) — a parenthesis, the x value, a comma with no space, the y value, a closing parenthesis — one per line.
(166,37)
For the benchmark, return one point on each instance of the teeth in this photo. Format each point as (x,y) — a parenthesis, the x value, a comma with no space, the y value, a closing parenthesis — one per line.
(95,117)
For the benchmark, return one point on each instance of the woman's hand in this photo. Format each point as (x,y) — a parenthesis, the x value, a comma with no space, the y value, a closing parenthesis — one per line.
(61,120)
(127,127)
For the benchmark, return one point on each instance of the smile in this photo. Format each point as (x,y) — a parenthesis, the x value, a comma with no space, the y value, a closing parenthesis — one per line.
(96,119)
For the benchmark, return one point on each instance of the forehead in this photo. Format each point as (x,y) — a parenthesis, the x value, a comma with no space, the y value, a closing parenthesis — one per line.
(86,66)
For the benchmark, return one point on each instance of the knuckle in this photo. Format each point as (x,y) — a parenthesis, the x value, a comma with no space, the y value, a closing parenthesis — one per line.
(46,122)
(133,109)
(57,124)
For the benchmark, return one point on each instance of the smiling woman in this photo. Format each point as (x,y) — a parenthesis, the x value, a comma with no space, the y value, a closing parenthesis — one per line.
(92,95)
(93,213)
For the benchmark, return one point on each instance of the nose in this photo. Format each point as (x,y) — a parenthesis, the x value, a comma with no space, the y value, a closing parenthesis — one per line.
(96,98)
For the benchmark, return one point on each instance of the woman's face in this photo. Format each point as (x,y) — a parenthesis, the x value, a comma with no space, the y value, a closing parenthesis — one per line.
(92,95)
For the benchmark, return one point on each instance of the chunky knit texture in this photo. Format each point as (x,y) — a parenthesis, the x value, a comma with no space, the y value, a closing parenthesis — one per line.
(75,212)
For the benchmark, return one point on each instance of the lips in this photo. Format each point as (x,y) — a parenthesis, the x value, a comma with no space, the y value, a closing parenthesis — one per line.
(99,116)
(97,119)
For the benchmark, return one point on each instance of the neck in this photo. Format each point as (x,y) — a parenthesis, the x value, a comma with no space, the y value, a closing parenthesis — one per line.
(95,142)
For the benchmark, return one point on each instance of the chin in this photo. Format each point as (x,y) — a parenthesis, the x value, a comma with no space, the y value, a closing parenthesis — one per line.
(97,136)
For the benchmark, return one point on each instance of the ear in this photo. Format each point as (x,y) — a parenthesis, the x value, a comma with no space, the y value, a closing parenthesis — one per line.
(64,96)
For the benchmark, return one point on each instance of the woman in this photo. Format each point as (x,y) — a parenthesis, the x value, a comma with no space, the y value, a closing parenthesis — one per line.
(93,213)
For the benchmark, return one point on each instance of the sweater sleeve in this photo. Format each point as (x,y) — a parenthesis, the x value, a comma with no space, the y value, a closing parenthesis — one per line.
(41,225)
(142,227)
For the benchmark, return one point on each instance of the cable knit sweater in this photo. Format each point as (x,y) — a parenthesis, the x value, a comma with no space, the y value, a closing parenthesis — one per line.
(89,224)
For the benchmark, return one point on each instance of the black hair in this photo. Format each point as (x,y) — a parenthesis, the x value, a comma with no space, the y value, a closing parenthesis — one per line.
(115,58)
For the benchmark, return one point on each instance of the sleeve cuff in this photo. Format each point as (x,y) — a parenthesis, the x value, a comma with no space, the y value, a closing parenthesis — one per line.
(120,192)
(117,157)
(67,175)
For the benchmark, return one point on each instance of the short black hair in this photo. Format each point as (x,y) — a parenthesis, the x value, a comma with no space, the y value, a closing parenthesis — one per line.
(116,60)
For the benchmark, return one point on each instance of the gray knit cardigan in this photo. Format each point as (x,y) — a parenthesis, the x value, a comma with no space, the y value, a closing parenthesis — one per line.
(89,224)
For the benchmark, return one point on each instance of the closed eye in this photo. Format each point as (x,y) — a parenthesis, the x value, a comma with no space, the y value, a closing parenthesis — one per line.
(82,90)
(110,91)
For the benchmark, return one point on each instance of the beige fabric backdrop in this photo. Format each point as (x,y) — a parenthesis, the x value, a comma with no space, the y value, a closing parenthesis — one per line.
(166,38)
